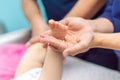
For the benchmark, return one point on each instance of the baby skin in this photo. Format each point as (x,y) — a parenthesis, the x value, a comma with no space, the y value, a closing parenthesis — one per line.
(57,30)
(59,37)
(38,57)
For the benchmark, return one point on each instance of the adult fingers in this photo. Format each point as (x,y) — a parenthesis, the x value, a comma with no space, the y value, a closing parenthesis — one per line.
(83,45)
(56,43)
(46,33)
(77,48)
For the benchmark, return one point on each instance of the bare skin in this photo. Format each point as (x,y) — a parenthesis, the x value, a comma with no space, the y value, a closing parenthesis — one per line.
(38,24)
(56,30)
(35,54)
(75,34)
(107,40)
(66,34)
(48,59)
(87,9)
(82,31)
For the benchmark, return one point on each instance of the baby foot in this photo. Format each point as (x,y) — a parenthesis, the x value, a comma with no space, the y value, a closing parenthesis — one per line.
(58,30)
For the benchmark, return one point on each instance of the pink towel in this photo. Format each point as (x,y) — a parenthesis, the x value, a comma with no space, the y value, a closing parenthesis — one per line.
(10,56)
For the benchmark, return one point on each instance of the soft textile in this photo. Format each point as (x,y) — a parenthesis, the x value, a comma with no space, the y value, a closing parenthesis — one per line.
(10,56)
(33,74)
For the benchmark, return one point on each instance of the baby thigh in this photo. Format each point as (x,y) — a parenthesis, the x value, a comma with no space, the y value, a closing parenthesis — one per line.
(33,58)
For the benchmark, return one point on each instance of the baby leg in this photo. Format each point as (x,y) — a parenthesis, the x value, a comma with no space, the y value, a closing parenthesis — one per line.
(53,66)
(33,58)
(35,55)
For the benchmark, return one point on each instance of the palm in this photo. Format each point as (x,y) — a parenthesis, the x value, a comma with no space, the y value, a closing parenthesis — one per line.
(78,37)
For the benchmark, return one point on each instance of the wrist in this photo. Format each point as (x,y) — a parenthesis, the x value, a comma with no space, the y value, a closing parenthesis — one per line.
(102,25)
(93,25)
(97,40)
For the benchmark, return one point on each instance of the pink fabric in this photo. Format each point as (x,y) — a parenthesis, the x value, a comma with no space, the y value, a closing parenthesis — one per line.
(10,56)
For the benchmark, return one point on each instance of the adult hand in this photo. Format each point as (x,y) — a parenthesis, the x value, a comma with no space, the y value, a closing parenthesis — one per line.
(79,29)
(85,30)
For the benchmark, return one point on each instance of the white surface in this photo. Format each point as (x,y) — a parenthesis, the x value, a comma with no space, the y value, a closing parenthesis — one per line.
(20,36)
(76,69)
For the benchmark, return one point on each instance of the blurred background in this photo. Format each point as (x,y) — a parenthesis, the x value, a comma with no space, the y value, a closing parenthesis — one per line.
(12,17)
(14,28)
